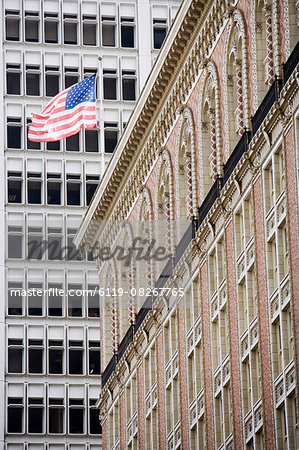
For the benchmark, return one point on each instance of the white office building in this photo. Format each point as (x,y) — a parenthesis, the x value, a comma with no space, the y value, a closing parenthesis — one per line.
(49,327)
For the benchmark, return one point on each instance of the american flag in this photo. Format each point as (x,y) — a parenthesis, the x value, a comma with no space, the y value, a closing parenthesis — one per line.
(65,115)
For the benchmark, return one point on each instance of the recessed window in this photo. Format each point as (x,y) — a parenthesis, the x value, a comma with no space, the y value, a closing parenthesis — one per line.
(14,187)
(15,241)
(109,80)
(34,188)
(93,300)
(54,243)
(73,189)
(53,189)
(35,299)
(55,300)
(15,355)
(129,85)
(94,356)
(35,415)
(13,79)
(35,356)
(51,28)
(30,144)
(15,299)
(94,421)
(72,253)
(31,26)
(71,76)
(76,416)
(54,145)
(75,357)
(91,141)
(127,32)
(56,415)
(15,411)
(56,349)
(72,143)
(52,81)
(12,25)
(32,80)
(92,182)
(70,25)
(111,136)
(14,127)
(89,30)
(108,31)
(75,300)
(35,243)
(160,31)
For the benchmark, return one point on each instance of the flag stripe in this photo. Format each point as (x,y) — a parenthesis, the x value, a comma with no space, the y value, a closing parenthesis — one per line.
(59,128)
(46,137)
(63,118)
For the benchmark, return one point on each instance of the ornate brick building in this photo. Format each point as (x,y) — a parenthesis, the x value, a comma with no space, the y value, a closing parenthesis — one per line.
(210,359)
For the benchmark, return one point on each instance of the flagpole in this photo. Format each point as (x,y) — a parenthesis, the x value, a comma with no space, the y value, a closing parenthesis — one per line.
(101,121)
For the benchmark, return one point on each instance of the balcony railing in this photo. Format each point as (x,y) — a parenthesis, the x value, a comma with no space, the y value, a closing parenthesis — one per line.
(242,146)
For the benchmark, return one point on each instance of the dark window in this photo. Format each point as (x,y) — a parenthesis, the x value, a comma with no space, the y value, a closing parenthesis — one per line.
(35,356)
(13,132)
(54,243)
(15,241)
(73,190)
(53,189)
(108,31)
(160,30)
(31,145)
(55,300)
(13,79)
(15,415)
(70,28)
(75,357)
(75,300)
(51,28)
(14,187)
(76,416)
(12,25)
(94,421)
(91,141)
(34,188)
(55,356)
(32,80)
(93,300)
(92,182)
(71,76)
(89,30)
(52,81)
(31,26)
(111,135)
(94,358)
(54,145)
(35,415)
(72,143)
(35,243)
(110,84)
(15,355)
(128,85)
(35,299)
(15,302)
(127,32)
(56,415)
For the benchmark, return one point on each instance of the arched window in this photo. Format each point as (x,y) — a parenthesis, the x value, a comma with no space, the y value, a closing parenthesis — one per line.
(235,82)
(127,281)
(186,198)
(164,210)
(209,130)
(144,264)
(291,24)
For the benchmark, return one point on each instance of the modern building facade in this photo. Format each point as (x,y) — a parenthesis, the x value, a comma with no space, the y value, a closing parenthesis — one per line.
(210,359)
(50,329)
